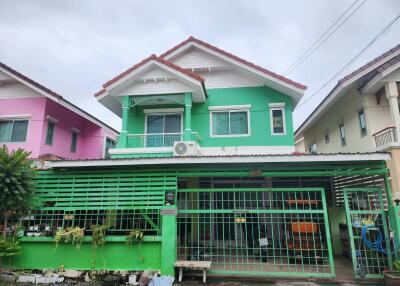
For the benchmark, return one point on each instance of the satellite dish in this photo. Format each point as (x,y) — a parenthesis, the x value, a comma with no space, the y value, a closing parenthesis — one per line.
(180,148)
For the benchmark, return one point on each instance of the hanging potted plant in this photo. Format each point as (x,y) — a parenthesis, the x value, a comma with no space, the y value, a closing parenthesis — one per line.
(392,278)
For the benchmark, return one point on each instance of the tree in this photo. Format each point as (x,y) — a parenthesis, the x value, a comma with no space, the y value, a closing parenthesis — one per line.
(16,183)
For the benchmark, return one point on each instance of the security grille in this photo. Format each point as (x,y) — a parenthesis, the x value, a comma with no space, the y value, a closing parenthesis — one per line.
(261,231)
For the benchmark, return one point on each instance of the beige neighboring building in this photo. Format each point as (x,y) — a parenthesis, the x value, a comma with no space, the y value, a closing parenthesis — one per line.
(360,114)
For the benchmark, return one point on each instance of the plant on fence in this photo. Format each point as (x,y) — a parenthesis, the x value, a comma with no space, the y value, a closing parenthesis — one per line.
(16,183)
(9,247)
(396,266)
(73,235)
(135,235)
(98,239)
(98,235)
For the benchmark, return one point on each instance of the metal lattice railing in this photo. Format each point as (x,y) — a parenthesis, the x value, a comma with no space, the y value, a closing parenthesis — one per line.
(276,231)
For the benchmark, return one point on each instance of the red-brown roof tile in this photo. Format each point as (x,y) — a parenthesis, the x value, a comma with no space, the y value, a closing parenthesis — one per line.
(146,60)
(236,58)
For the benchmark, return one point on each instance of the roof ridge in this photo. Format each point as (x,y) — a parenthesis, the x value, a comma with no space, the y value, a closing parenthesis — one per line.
(234,57)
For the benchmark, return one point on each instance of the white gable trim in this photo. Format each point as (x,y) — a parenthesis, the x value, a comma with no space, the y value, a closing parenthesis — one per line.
(133,74)
(291,90)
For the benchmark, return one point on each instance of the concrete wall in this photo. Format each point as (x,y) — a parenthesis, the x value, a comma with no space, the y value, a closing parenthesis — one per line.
(346,111)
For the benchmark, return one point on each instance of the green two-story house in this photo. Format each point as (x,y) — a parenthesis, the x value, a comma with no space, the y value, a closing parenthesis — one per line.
(196,99)
(205,169)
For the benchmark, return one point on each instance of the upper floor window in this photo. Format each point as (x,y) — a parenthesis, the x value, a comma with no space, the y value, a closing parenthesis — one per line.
(110,144)
(363,123)
(230,121)
(13,130)
(342,134)
(312,149)
(74,141)
(277,117)
(50,132)
(162,130)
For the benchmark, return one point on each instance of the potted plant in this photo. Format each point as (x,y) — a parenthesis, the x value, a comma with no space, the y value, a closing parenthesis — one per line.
(392,278)
(72,235)
(135,235)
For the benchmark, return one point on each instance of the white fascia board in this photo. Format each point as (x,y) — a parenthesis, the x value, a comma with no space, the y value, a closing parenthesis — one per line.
(371,85)
(296,90)
(62,102)
(222,160)
(230,107)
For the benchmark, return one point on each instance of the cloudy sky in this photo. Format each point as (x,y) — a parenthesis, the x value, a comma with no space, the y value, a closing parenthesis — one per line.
(73,47)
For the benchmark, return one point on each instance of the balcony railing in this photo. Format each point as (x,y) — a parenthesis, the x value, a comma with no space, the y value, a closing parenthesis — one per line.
(157,140)
(385,136)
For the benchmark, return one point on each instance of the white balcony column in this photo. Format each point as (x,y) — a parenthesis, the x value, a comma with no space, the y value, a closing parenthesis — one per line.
(392,96)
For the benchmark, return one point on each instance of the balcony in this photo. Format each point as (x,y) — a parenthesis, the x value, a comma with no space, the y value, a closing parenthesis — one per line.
(385,136)
(157,140)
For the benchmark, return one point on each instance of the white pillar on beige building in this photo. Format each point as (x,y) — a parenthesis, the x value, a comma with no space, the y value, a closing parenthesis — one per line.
(392,96)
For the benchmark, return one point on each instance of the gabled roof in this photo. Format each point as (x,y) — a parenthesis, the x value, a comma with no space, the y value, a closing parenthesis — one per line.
(363,74)
(53,95)
(235,58)
(143,62)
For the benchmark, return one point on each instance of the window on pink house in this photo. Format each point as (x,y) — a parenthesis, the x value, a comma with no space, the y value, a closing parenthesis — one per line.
(13,130)
(74,140)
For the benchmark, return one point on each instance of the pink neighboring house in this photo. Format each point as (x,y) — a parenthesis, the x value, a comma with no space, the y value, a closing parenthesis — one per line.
(37,119)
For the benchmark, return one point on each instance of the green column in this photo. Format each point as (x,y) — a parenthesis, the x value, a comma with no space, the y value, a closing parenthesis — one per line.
(168,233)
(122,142)
(188,117)
(394,216)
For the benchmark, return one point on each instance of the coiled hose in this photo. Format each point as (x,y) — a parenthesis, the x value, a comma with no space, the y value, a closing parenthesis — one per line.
(373,245)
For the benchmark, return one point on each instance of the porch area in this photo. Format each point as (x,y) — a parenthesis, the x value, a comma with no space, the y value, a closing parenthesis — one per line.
(262,219)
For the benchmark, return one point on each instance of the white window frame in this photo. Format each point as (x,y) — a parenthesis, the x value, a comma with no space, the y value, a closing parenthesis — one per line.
(105,144)
(230,108)
(14,118)
(359,122)
(277,106)
(344,135)
(164,112)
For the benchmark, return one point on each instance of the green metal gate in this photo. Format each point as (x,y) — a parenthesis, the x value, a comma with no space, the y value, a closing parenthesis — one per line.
(366,220)
(256,231)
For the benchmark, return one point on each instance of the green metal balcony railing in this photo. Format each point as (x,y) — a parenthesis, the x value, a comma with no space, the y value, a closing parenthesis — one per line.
(157,140)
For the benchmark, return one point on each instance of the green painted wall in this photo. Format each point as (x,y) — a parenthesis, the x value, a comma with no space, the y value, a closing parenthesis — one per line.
(258,97)
(114,255)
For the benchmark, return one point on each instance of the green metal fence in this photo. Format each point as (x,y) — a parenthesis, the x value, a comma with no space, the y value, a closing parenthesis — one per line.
(257,231)
(121,200)
(366,220)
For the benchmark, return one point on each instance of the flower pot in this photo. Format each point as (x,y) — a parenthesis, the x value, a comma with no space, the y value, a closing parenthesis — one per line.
(36,228)
(30,234)
(391,278)
(36,234)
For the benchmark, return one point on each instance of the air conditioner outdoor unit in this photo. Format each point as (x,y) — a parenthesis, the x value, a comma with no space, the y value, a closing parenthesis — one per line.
(187,148)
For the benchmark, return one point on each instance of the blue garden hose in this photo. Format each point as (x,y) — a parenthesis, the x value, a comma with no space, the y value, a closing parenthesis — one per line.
(373,245)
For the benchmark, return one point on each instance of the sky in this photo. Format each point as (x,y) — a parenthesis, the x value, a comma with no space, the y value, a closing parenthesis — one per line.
(73,47)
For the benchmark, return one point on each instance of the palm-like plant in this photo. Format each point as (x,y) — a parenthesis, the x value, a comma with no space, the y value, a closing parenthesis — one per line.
(16,183)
